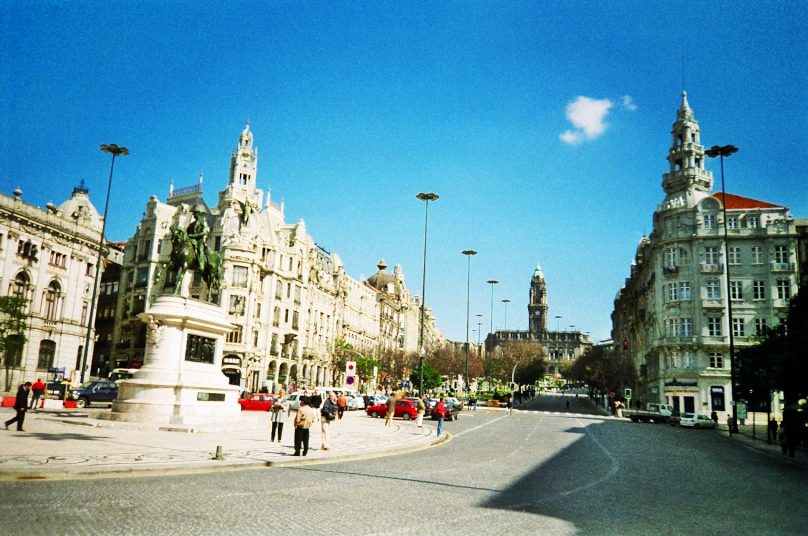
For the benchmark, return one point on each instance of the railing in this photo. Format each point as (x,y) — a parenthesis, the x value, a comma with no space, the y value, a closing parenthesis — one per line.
(781,266)
(712,268)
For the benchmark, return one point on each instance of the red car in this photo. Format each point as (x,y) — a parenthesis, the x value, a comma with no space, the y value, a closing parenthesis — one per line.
(257,402)
(405,408)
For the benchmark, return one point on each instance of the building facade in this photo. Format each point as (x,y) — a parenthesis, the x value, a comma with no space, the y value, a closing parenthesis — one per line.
(48,257)
(558,346)
(289,300)
(672,314)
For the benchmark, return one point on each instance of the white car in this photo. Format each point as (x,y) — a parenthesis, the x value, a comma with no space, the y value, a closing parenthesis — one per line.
(356,402)
(692,420)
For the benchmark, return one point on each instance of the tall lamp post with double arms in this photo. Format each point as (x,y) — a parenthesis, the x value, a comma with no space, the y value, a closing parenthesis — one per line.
(115,151)
(426,198)
(722,152)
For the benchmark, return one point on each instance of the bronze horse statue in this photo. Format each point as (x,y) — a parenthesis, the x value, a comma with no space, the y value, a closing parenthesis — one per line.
(184,257)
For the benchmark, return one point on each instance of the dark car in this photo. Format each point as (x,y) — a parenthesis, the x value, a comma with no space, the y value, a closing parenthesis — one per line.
(452,411)
(95,391)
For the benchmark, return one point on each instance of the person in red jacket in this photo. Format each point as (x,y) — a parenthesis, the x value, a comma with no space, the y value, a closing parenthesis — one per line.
(37,390)
(440,411)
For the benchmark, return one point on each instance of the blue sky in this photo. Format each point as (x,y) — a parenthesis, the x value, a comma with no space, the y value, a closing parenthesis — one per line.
(543,126)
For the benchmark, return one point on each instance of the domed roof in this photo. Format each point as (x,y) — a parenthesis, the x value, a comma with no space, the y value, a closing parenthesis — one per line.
(381,280)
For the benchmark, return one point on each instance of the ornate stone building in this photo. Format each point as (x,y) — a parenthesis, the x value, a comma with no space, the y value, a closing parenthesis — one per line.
(671,315)
(288,299)
(48,256)
(559,346)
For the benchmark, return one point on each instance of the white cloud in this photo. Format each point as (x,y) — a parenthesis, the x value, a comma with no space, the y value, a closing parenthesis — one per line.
(628,103)
(587,116)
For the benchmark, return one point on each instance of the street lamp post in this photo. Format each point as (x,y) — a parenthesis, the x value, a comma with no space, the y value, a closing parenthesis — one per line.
(491,282)
(468,253)
(115,151)
(506,302)
(426,198)
(721,153)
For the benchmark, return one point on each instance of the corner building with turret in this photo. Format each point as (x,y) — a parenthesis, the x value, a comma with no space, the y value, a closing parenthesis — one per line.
(672,315)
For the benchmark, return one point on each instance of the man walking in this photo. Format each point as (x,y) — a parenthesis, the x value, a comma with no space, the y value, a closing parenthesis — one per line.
(327,415)
(303,421)
(37,389)
(391,410)
(421,411)
(21,406)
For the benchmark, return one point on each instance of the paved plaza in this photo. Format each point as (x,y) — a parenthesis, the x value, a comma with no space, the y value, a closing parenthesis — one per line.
(67,444)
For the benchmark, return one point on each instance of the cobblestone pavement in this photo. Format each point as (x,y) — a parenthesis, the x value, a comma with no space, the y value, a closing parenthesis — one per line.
(63,444)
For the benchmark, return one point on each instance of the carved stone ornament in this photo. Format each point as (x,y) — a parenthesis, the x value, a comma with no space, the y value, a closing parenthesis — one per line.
(154,331)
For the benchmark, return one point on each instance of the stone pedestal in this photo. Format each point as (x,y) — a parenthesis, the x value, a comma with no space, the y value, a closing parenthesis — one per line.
(181,381)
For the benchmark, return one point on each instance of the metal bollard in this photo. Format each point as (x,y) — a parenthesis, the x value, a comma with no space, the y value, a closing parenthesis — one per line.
(219,455)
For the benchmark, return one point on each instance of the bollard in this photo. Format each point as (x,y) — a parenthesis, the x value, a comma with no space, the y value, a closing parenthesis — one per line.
(219,456)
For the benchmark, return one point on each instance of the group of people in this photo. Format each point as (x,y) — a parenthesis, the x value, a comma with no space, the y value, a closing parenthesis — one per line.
(439,410)
(22,404)
(305,417)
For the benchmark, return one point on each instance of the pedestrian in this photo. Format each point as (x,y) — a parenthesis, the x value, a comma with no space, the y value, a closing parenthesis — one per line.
(509,405)
(568,405)
(264,389)
(474,403)
(20,405)
(421,411)
(315,400)
(303,420)
(37,389)
(730,423)
(782,437)
(771,436)
(277,415)
(342,404)
(791,427)
(440,411)
(391,410)
(327,415)
(714,417)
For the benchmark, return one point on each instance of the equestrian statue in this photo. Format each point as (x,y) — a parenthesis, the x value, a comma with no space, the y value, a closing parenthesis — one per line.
(189,251)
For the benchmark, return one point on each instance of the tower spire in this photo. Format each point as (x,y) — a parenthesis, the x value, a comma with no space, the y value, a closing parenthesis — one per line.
(686,156)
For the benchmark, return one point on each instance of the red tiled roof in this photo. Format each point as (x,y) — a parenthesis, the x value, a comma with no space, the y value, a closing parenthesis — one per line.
(739,202)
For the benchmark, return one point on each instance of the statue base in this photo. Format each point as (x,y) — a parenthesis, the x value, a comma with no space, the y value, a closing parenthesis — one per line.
(181,382)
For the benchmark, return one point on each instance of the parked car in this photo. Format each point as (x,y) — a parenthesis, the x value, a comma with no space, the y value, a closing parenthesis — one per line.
(676,417)
(373,400)
(692,420)
(405,408)
(356,402)
(256,402)
(95,391)
(121,374)
(455,402)
(452,411)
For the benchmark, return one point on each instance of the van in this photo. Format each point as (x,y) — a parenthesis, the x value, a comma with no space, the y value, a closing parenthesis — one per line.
(121,374)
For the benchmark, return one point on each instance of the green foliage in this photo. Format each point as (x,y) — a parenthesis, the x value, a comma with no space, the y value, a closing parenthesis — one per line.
(364,367)
(603,370)
(13,321)
(432,378)
(778,361)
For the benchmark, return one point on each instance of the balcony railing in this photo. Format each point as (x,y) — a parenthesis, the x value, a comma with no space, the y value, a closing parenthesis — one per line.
(782,266)
(712,268)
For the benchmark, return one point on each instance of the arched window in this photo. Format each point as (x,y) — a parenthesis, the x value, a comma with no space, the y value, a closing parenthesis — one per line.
(19,287)
(52,300)
(47,351)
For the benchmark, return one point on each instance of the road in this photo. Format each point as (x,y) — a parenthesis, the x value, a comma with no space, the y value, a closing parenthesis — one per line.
(543,470)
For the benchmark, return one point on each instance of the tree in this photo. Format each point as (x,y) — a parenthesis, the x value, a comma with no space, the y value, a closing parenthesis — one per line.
(365,366)
(13,320)
(432,378)
(527,357)
(777,362)
(603,370)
